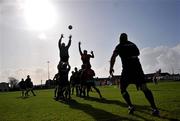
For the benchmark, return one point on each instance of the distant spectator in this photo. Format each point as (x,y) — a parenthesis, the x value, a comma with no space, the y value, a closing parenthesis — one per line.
(29,86)
(22,86)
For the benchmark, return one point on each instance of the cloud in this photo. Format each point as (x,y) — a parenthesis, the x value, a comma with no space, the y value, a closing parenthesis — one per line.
(166,58)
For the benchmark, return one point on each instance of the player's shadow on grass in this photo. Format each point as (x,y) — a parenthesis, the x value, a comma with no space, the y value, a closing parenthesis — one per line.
(142,109)
(117,102)
(97,114)
(20,97)
(139,108)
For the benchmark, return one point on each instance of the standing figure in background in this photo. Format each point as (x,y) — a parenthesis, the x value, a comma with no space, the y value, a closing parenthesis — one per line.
(156,75)
(29,86)
(56,84)
(22,86)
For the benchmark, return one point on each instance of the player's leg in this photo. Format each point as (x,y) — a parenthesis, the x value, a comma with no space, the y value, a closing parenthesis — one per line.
(27,91)
(96,89)
(33,92)
(125,95)
(149,96)
(22,92)
(88,89)
(68,91)
(72,89)
(58,92)
(77,87)
(55,91)
(83,88)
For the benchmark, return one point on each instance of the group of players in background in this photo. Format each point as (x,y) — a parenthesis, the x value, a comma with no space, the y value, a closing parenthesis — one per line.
(83,79)
(26,86)
(132,72)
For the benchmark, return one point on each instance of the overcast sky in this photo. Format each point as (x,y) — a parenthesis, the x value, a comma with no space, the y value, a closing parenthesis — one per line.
(30,30)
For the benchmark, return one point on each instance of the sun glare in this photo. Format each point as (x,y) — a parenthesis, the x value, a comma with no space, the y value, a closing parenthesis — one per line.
(39,14)
(42,36)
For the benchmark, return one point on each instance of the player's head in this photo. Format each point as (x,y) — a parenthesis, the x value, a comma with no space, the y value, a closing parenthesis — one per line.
(75,69)
(28,76)
(123,37)
(63,44)
(85,52)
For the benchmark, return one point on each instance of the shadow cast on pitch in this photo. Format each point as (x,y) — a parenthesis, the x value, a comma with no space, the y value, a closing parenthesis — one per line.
(143,109)
(141,117)
(26,97)
(97,114)
(117,102)
(139,108)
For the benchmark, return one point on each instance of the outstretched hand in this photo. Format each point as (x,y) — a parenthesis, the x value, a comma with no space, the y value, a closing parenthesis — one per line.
(91,52)
(70,36)
(62,36)
(79,43)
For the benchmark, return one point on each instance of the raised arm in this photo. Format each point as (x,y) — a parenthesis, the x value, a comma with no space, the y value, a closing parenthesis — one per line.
(55,77)
(60,39)
(92,54)
(112,61)
(69,43)
(80,48)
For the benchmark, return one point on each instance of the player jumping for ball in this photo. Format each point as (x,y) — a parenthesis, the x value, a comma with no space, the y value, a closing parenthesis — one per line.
(64,54)
(132,72)
(85,57)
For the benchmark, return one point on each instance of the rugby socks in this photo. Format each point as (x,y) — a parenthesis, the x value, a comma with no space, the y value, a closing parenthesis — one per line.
(126,98)
(150,98)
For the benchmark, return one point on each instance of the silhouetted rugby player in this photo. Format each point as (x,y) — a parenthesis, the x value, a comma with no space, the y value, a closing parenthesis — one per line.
(56,83)
(85,57)
(75,81)
(132,72)
(22,86)
(29,86)
(63,80)
(64,54)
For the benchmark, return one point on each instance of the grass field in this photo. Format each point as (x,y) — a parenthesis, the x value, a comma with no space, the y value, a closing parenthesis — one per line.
(44,108)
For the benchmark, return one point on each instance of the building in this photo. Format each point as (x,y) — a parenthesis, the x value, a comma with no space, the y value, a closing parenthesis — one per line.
(50,83)
(4,86)
(174,77)
(149,78)
(108,80)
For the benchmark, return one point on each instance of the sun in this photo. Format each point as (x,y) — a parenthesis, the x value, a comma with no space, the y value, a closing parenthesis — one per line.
(39,14)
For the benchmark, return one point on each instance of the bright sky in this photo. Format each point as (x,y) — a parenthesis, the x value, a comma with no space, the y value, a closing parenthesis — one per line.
(30,30)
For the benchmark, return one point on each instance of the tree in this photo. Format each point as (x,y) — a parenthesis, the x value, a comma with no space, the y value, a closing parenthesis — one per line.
(13,82)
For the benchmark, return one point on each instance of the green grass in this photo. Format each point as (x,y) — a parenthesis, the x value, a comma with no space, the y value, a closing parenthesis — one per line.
(43,108)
